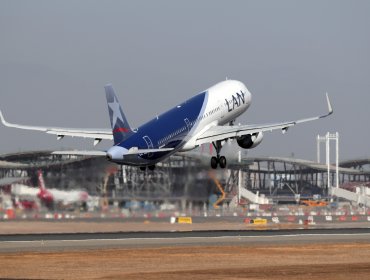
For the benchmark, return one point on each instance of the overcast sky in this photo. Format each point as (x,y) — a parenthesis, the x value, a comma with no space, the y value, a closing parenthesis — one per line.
(56,57)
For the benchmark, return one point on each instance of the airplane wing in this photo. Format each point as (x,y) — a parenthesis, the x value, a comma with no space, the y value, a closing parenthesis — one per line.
(97,134)
(219,133)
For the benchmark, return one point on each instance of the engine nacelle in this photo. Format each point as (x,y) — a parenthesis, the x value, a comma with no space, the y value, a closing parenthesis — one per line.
(250,141)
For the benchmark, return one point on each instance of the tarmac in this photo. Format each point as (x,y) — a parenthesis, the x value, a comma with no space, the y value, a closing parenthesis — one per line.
(209,248)
(96,241)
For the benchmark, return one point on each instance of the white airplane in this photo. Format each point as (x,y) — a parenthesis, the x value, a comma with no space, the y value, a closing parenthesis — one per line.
(55,196)
(50,197)
(208,117)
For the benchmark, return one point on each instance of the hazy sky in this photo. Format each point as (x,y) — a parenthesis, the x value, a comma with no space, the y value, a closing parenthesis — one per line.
(56,57)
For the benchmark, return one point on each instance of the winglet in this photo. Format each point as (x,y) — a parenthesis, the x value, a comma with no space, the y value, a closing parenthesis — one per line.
(5,122)
(19,125)
(330,108)
(330,111)
(2,119)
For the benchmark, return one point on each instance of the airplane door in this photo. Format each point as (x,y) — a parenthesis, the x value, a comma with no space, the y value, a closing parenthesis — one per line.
(220,112)
(187,122)
(149,143)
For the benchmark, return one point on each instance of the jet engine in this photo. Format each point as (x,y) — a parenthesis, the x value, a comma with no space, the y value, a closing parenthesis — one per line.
(250,141)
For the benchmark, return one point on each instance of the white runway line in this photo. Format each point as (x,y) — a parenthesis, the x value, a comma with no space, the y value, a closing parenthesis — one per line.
(190,238)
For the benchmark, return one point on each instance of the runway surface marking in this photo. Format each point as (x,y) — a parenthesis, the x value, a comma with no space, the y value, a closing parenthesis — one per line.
(193,237)
(60,242)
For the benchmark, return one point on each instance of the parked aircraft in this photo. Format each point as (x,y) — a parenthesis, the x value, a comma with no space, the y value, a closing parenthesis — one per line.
(62,197)
(25,197)
(208,117)
(50,197)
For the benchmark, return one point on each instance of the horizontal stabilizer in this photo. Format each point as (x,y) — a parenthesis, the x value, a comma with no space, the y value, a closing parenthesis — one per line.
(135,151)
(132,151)
(80,153)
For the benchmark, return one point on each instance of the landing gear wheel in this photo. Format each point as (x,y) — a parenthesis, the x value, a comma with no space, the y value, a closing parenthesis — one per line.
(222,162)
(151,167)
(214,162)
(142,168)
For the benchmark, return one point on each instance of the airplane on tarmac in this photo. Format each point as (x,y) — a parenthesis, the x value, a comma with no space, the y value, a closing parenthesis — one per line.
(50,197)
(208,117)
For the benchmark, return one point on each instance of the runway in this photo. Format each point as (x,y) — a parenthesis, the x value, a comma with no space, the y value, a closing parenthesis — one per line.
(253,254)
(81,241)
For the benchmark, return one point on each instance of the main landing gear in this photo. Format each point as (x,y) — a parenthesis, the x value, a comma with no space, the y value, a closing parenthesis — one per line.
(218,160)
(150,167)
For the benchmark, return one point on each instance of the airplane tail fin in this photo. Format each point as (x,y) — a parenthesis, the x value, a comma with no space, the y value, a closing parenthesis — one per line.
(41,180)
(120,127)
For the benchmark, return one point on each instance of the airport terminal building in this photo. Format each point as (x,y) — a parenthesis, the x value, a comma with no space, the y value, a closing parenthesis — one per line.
(188,179)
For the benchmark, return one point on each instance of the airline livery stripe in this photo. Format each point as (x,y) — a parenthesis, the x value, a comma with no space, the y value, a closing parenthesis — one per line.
(120,129)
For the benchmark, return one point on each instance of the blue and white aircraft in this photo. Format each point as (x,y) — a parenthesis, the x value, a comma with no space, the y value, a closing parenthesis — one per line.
(208,117)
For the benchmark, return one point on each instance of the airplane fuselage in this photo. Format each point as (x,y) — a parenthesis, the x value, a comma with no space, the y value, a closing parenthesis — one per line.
(179,127)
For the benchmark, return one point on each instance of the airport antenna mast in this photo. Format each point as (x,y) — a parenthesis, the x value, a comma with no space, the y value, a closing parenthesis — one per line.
(326,139)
